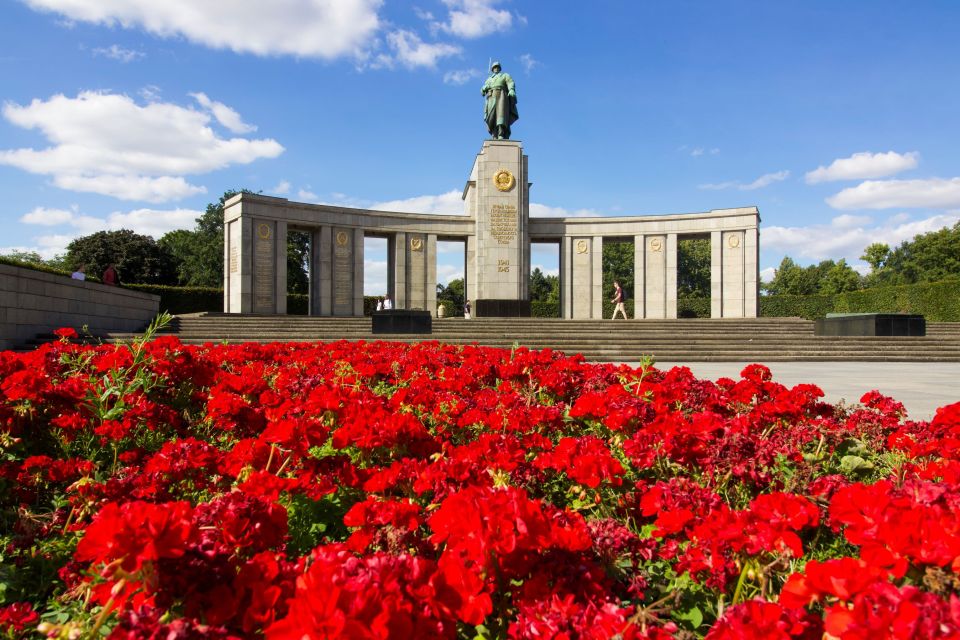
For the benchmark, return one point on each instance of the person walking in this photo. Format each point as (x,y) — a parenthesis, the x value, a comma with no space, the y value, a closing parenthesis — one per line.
(110,275)
(618,301)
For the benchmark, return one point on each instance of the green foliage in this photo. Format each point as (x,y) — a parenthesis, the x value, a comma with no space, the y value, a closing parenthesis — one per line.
(549,309)
(452,297)
(693,308)
(828,277)
(936,301)
(139,258)
(928,257)
(10,259)
(693,268)
(298,262)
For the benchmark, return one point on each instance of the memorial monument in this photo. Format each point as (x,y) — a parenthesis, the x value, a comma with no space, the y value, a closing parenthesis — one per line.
(497,231)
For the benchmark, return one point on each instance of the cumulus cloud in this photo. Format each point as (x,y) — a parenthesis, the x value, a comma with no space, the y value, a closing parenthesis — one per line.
(847,237)
(528,62)
(450,203)
(308,28)
(108,144)
(763,181)
(931,193)
(118,53)
(72,224)
(864,165)
(461,76)
(408,50)
(224,114)
(474,18)
(282,188)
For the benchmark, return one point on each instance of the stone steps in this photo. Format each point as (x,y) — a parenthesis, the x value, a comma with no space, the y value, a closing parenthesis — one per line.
(687,340)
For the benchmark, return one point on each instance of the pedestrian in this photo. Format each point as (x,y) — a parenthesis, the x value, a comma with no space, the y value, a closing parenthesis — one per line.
(618,300)
(387,303)
(110,275)
(466,310)
(80,273)
(379,304)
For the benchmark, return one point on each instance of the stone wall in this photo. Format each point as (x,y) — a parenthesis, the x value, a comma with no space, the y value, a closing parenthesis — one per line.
(34,302)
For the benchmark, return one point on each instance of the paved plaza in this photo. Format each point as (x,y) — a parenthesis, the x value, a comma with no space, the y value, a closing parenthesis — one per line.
(922,387)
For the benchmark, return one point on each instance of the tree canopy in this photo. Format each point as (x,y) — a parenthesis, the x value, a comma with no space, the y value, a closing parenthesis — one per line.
(138,258)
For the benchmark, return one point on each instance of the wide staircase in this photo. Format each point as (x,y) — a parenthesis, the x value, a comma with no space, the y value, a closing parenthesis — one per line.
(687,340)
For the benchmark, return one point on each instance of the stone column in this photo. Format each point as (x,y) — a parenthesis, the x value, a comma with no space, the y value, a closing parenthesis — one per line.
(397,286)
(596,278)
(655,276)
(358,272)
(344,283)
(430,280)
(470,269)
(418,259)
(314,286)
(733,274)
(280,253)
(581,289)
(639,297)
(265,272)
(751,273)
(238,266)
(716,274)
(566,277)
(503,243)
(325,271)
(671,279)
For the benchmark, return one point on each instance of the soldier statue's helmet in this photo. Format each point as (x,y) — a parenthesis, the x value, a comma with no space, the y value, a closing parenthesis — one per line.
(495,65)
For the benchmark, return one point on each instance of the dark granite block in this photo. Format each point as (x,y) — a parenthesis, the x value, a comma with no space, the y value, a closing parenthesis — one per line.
(494,308)
(402,321)
(872,324)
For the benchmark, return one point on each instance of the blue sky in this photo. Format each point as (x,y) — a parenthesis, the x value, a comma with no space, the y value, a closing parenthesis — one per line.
(839,120)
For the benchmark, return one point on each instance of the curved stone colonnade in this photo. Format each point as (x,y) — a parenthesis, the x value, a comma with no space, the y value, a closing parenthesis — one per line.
(497,232)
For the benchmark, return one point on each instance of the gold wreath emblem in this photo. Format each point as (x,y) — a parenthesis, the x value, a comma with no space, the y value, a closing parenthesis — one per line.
(581,246)
(733,241)
(342,238)
(416,244)
(504,180)
(263,230)
(656,244)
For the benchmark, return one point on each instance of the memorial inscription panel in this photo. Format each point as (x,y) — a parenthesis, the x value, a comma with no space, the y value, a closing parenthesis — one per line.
(342,272)
(263,270)
(503,223)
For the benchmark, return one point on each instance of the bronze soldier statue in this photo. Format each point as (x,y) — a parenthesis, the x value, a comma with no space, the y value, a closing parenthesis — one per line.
(501,106)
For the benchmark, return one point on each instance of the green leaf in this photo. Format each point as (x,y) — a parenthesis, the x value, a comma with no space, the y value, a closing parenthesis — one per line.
(852,464)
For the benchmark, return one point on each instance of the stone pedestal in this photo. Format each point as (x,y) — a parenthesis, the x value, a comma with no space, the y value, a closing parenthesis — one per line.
(497,197)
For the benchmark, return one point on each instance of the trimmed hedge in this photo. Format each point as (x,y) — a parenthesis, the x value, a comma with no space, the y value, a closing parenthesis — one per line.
(43,268)
(936,301)
(545,309)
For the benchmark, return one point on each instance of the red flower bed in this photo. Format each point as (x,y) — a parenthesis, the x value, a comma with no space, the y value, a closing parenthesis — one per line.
(392,491)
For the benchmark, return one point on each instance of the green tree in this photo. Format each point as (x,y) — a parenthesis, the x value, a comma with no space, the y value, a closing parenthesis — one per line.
(791,279)
(840,278)
(693,268)
(452,296)
(544,288)
(928,257)
(618,265)
(298,262)
(139,258)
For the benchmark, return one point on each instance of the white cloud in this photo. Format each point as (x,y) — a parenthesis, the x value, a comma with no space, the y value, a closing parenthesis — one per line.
(864,165)
(846,220)
(282,188)
(151,222)
(449,203)
(224,114)
(305,195)
(309,28)
(528,62)
(410,51)
(768,274)
(150,93)
(696,153)
(374,277)
(475,18)
(846,238)
(763,181)
(931,193)
(116,52)
(461,76)
(544,211)
(108,144)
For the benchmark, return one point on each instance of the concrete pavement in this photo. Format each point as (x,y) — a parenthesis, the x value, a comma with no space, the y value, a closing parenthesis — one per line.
(922,387)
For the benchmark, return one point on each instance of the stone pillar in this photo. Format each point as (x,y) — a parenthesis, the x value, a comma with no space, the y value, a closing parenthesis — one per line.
(566,277)
(269,266)
(313,290)
(671,279)
(751,273)
(732,265)
(325,271)
(419,262)
(716,274)
(596,277)
(470,270)
(344,272)
(584,270)
(280,255)
(501,206)
(358,272)
(655,276)
(430,280)
(238,266)
(639,310)
(397,285)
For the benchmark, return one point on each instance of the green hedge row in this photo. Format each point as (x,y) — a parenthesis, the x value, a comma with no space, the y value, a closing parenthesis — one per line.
(936,301)
(42,267)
